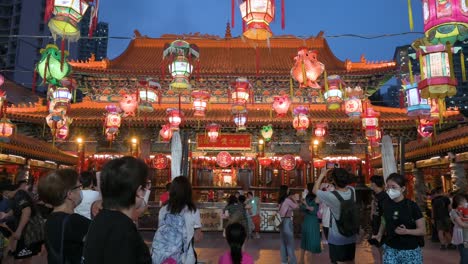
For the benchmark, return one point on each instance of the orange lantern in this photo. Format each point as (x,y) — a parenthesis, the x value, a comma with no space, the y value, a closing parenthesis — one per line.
(320,130)
(257,15)
(166,132)
(301,120)
(281,105)
(242,90)
(307,69)
(212,131)
(175,117)
(200,101)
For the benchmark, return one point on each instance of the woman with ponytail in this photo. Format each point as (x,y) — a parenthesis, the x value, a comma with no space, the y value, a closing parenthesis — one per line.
(235,236)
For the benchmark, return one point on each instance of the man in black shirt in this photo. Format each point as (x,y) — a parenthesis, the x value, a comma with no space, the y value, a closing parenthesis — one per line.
(380,196)
(440,214)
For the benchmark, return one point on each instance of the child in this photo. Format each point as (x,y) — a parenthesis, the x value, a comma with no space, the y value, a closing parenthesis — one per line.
(235,236)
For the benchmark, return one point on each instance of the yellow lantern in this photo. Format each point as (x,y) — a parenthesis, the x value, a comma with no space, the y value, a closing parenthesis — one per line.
(257,15)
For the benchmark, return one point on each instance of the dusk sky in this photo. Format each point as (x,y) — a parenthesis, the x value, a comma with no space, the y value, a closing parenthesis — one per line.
(303,18)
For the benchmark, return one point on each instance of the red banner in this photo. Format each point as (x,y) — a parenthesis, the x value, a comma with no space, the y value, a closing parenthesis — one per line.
(225,141)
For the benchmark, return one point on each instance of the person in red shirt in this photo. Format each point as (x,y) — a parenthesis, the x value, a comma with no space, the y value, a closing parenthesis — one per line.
(165,196)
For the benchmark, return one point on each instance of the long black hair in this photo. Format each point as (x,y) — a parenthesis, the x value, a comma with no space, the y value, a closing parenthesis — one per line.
(283,194)
(180,195)
(310,195)
(235,236)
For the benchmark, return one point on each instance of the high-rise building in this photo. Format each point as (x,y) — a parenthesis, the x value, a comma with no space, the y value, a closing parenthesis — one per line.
(96,45)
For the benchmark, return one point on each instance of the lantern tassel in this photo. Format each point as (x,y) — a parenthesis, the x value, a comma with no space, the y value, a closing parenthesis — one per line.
(462,62)
(283,18)
(233,12)
(410,69)
(62,59)
(410,16)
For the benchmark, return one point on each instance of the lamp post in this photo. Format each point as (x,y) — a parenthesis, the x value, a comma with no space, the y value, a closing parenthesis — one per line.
(134,147)
(315,143)
(261,147)
(81,154)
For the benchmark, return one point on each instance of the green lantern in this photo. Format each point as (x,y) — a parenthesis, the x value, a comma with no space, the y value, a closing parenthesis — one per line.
(50,67)
(181,55)
(267,132)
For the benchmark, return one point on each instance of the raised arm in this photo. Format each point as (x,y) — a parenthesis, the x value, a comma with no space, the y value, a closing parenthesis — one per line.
(323,172)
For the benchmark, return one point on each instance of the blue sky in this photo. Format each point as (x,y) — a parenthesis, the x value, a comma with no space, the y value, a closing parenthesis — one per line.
(303,18)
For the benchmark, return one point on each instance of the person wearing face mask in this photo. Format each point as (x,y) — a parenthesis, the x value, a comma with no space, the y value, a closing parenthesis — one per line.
(64,229)
(113,236)
(403,224)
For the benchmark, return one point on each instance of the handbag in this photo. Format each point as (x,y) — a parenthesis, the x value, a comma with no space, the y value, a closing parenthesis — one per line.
(34,231)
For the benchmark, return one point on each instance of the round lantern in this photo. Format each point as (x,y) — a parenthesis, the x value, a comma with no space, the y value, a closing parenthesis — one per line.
(212,130)
(281,105)
(52,67)
(370,122)
(181,55)
(223,159)
(200,101)
(175,117)
(239,112)
(353,108)
(307,69)
(267,132)
(320,130)
(257,15)
(416,106)
(426,128)
(334,95)
(166,132)
(445,20)
(6,129)
(241,93)
(301,120)
(160,161)
(319,163)
(288,162)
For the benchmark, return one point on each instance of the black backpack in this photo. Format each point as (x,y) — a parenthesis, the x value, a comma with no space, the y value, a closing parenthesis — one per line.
(348,224)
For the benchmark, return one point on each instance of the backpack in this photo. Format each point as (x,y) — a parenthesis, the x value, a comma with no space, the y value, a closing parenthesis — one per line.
(348,224)
(169,245)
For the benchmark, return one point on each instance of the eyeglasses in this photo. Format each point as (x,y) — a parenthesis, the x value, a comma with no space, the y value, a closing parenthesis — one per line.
(77,187)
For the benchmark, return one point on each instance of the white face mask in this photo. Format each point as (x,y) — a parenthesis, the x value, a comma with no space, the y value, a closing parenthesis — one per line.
(393,194)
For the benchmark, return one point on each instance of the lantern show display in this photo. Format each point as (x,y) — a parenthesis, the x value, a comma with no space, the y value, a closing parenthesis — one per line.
(181,56)
(265,161)
(267,132)
(445,20)
(257,15)
(319,163)
(370,121)
(281,105)
(148,95)
(63,128)
(200,102)
(307,69)
(374,141)
(353,103)
(67,15)
(425,128)
(112,122)
(301,120)
(415,105)
(174,117)
(320,130)
(333,92)
(239,113)
(128,104)
(213,131)
(53,65)
(7,129)
(59,101)
(166,132)
(241,91)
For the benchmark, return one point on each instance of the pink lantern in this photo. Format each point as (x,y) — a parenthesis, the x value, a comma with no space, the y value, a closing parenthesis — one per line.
(301,120)
(307,69)
(426,128)
(281,105)
(112,122)
(166,132)
(370,121)
(239,112)
(212,131)
(334,94)
(129,104)
(200,101)
(175,117)
(445,20)
(353,108)
(242,90)
(2,80)
(257,15)
(320,130)
(63,128)
(7,129)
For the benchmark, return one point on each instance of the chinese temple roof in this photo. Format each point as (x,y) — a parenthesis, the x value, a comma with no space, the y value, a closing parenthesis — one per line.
(91,114)
(17,94)
(228,56)
(32,148)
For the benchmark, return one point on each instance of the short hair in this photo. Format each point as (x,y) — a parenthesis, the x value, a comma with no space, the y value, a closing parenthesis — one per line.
(53,187)
(87,179)
(457,200)
(232,199)
(397,178)
(341,177)
(250,193)
(242,199)
(120,180)
(283,193)
(180,195)
(378,180)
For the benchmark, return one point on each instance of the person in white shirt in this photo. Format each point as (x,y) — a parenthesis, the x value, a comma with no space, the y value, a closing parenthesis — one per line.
(89,194)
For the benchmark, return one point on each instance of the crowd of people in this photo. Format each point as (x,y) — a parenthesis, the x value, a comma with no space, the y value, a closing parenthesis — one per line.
(72,218)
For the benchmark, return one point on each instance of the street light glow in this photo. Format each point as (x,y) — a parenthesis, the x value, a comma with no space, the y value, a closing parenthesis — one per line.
(260,141)
(79,140)
(134,140)
(316,142)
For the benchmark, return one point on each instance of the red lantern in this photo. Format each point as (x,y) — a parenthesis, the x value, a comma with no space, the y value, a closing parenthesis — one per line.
(200,101)
(175,117)
(160,161)
(166,132)
(224,159)
(239,112)
(370,121)
(213,132)
(265,161)
(281,105)
(320,130)
(319,163)
(288,162)
(257,15)
(301,120)
(242,89)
